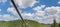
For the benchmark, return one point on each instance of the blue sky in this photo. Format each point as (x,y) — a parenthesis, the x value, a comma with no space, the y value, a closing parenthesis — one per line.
(48,3)
(38,10)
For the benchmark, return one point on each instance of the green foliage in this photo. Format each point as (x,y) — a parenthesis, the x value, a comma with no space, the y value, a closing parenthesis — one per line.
(59,24)
(54,24)
(18,23)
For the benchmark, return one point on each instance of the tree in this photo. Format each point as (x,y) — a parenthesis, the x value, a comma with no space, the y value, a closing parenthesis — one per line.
(54,23)
(59,24)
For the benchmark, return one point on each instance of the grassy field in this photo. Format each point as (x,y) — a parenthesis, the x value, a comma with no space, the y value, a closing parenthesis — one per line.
(18,23)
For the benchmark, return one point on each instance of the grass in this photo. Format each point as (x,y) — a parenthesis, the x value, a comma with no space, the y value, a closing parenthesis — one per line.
(18,23)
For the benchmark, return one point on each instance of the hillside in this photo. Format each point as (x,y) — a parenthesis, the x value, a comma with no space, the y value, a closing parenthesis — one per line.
(18,23)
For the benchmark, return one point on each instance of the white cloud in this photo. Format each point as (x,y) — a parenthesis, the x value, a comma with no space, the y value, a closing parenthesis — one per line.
(0,9)
(12,10)
(39,8)
(7,17)
(39,15)
(52,17)
(59,2)
(52,10)
(27,14)
(26,3)
(3,1)
(24,15)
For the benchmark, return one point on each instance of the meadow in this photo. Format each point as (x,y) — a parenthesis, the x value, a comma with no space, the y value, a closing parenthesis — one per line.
(18,23)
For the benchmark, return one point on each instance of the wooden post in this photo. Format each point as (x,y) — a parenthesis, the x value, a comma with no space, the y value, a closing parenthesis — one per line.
(23,22)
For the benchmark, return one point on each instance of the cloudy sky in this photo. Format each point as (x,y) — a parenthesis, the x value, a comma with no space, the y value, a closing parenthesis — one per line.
(42,11)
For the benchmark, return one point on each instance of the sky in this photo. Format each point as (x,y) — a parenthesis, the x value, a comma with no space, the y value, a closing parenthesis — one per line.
(42,11)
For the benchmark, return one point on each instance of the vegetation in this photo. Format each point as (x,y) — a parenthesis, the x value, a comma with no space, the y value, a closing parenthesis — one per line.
(59,24)
(18,23)
(54,24)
